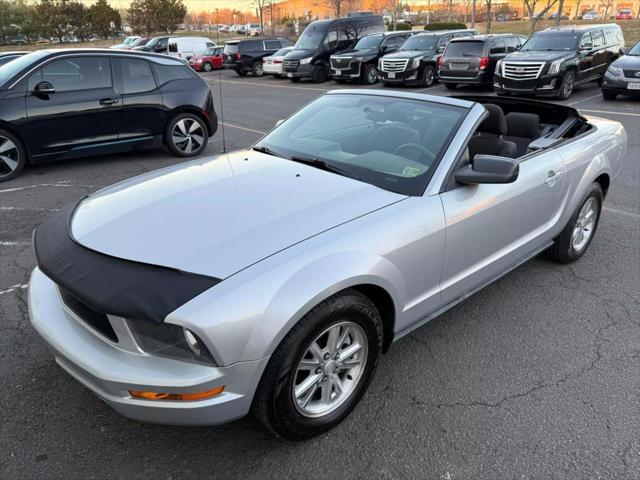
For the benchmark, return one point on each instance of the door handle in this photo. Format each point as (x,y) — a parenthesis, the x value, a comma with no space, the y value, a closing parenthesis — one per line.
(108,101)
(552,177)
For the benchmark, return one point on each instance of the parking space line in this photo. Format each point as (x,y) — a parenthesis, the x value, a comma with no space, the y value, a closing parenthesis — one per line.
(14,244)
(232,82)
(231,125)
(610,113)
(622,212)
(585,99)
(13,288)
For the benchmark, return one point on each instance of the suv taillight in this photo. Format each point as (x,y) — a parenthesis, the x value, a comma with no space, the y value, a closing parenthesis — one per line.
(484,63)
(440,62)
(237,56)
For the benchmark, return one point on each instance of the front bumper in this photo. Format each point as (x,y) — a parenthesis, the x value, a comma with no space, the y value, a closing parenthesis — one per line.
(196,66)
(110,371)
(408,77)
(346,72)
(620,85)
(544,85)
(303,71)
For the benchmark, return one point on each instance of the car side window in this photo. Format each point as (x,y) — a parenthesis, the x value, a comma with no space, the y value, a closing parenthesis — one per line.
(271,44)
(498,46)
(511,44)
(135,76)
(71,74)
(596,38)
(585,41)
(393,43)
(331,40)
(210,45)
(444,40)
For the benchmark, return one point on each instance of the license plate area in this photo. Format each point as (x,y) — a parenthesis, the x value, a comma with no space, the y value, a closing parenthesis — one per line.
(391,75)
(633,85)
(458,66)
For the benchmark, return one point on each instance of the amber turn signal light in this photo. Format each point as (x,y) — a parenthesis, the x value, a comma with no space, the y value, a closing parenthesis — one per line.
(176,396)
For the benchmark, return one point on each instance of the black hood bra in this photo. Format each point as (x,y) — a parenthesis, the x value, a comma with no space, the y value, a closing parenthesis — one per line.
(111,285)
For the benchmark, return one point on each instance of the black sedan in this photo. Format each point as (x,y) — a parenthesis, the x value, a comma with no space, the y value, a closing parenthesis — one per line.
(623,76)
(61,104)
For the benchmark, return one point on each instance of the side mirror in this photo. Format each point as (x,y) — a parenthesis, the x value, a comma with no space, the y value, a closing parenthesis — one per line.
(279,122)
(44,88)
(623,51)
(440,49)
(586,46)
(489,169)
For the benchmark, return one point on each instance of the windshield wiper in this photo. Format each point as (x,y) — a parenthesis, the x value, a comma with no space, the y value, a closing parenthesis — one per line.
(267,150)
(322,165)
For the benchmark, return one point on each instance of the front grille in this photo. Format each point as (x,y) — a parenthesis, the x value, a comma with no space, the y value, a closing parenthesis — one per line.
(394,65)
(290,65)
(522,70)
(340,63)
(632,74)
(96,320)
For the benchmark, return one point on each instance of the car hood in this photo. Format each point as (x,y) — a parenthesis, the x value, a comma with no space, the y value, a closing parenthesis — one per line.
(630,62)
(409,53)
(537,56)
(298,53)
(356,53)
(216,217)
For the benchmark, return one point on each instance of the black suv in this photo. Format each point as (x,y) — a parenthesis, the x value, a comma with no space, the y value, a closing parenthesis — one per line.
(323,38)
(361,62)
(555,60)
(244,56)
(472,60)
(59,104)
(415,63)
(156,45)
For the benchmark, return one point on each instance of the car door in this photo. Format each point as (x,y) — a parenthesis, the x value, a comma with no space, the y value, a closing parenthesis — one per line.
(600,53)
(143,114)
(83,108)
(491,227)
(585,57)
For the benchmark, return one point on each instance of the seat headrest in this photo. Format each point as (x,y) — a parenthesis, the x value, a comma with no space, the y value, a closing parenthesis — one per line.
(525,125)
(495,123)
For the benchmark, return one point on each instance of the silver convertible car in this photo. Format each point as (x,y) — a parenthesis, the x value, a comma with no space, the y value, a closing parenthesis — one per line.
(272,279)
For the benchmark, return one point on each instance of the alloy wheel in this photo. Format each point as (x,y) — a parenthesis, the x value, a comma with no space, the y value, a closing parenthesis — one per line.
(567,88)
(584,226)
(187,135)
(372,76)
(429,77)
(330,369)
(206,67)
(9,157)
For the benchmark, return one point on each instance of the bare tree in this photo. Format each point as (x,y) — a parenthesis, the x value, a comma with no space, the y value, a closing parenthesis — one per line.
(488,15)
(578,7)
(473,13)
(560,8)
(396,7)
(260,4)
(607,4)
(466,4)
(336,6)
(534,17)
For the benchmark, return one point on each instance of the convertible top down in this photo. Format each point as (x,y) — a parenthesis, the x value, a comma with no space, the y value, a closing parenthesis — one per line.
(271,279)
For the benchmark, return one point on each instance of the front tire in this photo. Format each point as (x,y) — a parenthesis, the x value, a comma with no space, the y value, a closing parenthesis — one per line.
(186,135)
(319,74)
(567,85)
(321,368)
(428,76)
(577,235)
(13,156)
(369,75)
(451,86)
(609,95)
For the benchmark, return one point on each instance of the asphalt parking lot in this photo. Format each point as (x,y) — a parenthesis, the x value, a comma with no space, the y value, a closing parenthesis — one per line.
(536,376)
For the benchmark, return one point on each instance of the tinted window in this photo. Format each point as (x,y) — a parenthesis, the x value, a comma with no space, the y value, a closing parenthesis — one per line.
(10,69)
(444,40)
(69,74)
(420,42)
(464,49)
(173,47)
(272,44)
(551,42)
(596,37)
(230,48)
(394,42)
(250,46)
(498,46)
(167,73)
(370,41)
(136,76)
(586,41)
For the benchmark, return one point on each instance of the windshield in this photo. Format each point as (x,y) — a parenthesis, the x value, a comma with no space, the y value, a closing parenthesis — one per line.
(464,49)
(8,70)
(211,52)
(551,43)
(392,143)
(309,40)
(635,50)
(370,41)
(420,42)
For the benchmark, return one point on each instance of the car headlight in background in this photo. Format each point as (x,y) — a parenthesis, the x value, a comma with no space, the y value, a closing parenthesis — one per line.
(615,71)
(304,61)
(171,341)
(416,62)
(199,60)
(555,67)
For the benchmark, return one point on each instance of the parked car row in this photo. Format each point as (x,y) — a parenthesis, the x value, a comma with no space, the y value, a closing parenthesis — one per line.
(111,101)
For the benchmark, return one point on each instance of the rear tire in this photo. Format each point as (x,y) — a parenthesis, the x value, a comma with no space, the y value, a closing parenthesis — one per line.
(13,156)
(282,403)
(451,86)
(577,235)
(609,95)
(186,135)
(257,69)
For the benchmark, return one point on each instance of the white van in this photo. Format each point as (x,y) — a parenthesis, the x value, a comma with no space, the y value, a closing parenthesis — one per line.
(188,47)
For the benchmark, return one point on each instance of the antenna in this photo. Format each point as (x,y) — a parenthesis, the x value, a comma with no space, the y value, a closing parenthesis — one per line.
(224,138)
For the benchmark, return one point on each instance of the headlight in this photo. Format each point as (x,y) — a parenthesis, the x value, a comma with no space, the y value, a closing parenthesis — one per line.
(615,71)
(499,67)
(555,67)
(416,62)
(171,341)
(304,61)
(199,60)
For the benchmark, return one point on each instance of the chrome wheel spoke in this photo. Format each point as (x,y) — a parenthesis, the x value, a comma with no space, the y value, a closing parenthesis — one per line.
(330,369)
(7,145)
(9,162)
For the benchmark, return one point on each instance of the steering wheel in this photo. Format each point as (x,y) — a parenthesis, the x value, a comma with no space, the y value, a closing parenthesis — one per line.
(416,152)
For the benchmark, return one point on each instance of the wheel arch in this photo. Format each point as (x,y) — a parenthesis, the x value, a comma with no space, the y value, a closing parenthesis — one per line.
(604,180)
(386,307)
(11,129)
(188,109)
